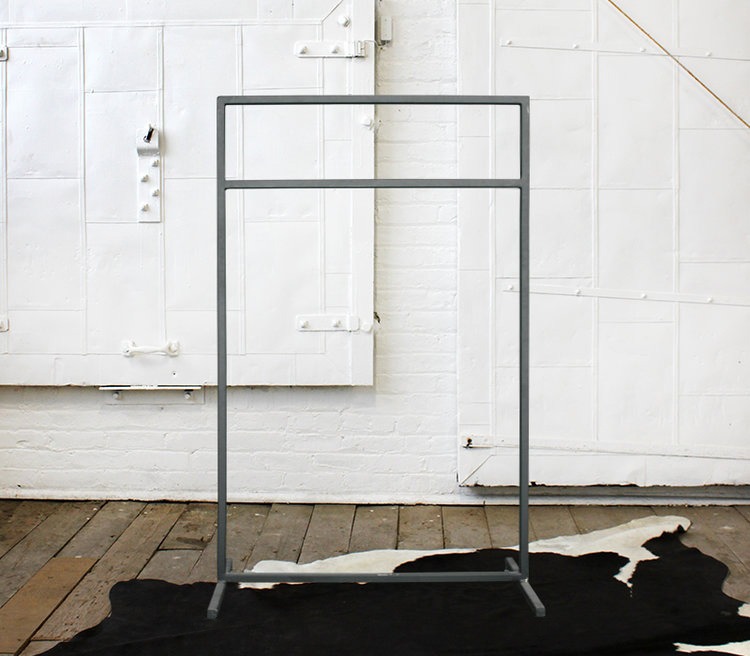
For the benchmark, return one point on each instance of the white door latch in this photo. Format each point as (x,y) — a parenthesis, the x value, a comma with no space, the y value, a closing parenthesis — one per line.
(129,349)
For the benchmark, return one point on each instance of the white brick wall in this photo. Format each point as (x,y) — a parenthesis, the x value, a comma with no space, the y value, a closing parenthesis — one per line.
(395,442)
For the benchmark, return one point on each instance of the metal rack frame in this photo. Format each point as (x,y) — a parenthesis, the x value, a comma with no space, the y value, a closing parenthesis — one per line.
(514,572)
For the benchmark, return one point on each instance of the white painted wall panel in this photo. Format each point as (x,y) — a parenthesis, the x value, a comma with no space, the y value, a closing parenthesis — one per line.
(527,25)
(616,32)
(200,63)
(474,365)
(732,278)
(31,37)
(44,244)
(558,5)
(168,10)
(714,27)
(561,409)
(3,287)
(635,383)
(47,331)
(269,61)
(713,350)
(635,122)
(636,240)
(561,145)
(562,330)
(637,190)
(542,74)
(22,11)
(123,280)
(282,204)
(276,291)
(714,164)
(561,402)
(275,9)
(505,218)
(698,110)
(337,233)
(616,310)
(42,78)
(111,75)
(338,287)
(727,78)
(112,122)
(714,420)
(190,259)
(558,218)
(273,150)
(121,59)
(315,8)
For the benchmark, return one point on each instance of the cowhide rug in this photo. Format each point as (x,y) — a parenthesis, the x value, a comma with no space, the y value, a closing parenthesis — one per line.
(633,590)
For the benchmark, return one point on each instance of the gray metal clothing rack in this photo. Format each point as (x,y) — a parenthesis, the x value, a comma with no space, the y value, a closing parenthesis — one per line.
(513,572)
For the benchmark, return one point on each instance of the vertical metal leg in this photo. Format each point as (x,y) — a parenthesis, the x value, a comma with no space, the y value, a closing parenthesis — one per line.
(523,422)
(222,565)
(523,281)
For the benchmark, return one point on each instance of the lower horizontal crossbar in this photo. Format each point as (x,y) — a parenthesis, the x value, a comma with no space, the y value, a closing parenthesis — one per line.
(372,577)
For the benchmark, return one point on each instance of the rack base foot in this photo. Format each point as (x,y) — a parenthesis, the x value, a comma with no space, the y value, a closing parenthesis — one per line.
(533,599)
(218,596)
(528,592)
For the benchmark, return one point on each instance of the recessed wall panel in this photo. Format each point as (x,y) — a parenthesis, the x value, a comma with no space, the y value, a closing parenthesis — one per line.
(635,122)
(44,245)
(43,113)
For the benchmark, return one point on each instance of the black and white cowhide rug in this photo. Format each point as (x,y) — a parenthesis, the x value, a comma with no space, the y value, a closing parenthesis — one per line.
(633,590)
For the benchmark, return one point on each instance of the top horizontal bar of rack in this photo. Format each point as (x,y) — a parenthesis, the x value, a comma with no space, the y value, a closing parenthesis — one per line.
(454,183)
(520,101)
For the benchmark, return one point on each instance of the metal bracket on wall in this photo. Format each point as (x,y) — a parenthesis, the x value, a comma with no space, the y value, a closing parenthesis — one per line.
(3,53)
(4,324)
(318,49)
(154,394)
(633,295)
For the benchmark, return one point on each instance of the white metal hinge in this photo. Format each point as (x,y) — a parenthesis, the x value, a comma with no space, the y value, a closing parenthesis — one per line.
(149,175)
(307,323)
(317,49)
(4,324)
(3,53)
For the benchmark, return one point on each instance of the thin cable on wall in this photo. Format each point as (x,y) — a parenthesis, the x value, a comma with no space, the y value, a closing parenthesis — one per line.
(679,63)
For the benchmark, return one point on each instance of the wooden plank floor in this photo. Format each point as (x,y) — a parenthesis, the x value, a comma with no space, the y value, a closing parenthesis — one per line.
(176,542)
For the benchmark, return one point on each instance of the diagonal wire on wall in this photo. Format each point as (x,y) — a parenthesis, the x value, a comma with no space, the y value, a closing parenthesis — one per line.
(651,38)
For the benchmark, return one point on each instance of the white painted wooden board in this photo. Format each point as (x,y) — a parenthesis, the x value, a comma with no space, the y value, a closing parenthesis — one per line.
(639,186)
(83,273)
